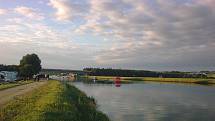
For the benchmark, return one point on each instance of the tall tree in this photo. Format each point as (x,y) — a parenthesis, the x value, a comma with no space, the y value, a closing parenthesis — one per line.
(30,64)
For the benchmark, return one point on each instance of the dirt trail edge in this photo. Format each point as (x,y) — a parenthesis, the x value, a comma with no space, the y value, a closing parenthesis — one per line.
(9,94)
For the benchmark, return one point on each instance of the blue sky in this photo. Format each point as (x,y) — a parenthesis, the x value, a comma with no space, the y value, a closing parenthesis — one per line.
(130,34)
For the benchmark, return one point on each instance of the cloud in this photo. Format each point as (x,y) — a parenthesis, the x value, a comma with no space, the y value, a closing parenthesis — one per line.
(121,33)
(156,32)
(19,36)
(67,10)
(210,3)
(3,11)
(29,12)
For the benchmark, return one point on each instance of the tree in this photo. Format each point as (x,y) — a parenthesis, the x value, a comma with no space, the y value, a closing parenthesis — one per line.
(26,70)
(30,64)
(9,67)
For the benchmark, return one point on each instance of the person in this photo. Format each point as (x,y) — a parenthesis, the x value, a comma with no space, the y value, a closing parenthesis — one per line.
(47,76)
(1,78)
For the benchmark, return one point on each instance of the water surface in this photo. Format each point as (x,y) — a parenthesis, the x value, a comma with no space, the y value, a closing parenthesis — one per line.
(153,101)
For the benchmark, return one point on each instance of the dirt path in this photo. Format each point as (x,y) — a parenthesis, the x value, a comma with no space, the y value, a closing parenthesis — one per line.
(9,94)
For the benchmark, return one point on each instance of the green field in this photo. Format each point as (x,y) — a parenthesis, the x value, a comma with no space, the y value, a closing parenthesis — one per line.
(211,75)
(13,84)
(52,102)
(156,79)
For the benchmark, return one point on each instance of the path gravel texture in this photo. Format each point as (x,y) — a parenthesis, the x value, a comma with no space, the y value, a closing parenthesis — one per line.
(9,94)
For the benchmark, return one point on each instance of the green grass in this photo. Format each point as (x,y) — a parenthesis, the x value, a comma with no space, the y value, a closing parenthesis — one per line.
(53,102)
(156,79)
(212,75)
(13,84)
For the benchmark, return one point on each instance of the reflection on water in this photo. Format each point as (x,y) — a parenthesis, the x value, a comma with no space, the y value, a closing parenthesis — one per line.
(153,102)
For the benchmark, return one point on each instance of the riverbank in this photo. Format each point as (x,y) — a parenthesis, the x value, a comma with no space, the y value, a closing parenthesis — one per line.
(204,81)
(53,101)
(4,86)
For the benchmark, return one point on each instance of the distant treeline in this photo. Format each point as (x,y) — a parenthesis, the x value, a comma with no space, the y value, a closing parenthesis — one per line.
(46,71)
(9,67)
(139,73)
(59,71)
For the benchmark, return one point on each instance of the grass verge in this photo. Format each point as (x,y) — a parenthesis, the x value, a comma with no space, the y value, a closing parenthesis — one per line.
(53,101)
(13,84)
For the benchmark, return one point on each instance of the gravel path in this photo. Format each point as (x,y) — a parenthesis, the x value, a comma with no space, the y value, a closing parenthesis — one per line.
(9,94)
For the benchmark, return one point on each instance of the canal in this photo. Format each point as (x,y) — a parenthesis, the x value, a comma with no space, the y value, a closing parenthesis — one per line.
(153,101)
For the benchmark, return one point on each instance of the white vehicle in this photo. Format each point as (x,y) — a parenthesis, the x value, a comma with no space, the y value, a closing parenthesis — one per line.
(8,76)
(2,77)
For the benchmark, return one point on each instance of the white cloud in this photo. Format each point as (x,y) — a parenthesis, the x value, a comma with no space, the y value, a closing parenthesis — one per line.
(3,11)
(29,12)
(22,36)
(136,32)
(152,29)
(67,10)
(210,3)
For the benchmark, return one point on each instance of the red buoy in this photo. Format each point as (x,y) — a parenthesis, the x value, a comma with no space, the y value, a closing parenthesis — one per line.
(117,81)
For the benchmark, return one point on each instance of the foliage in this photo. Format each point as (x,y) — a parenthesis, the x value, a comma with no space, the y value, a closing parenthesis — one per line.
(139,73)
(118,72)
(30,64)
(9,68)
(53,102)
(26,70)
(60,71)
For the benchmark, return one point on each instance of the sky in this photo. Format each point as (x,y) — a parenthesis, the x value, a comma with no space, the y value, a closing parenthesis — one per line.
(128,34)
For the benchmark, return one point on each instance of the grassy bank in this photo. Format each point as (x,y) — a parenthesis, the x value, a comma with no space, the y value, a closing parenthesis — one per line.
(13,84)
(52,102)
(156,79)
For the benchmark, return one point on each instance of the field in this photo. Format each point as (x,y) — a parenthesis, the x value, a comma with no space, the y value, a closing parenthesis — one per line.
(211,75)
(156,79)
(13,84)
(53,101)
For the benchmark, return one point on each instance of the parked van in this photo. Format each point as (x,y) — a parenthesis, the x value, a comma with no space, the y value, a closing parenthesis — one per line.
(8,76)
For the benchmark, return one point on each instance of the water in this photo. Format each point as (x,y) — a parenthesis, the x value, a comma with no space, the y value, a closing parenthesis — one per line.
(153,101)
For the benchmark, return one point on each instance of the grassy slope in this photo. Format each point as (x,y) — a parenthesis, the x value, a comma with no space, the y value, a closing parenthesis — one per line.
(52,102)
(176,80)
(14,84)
